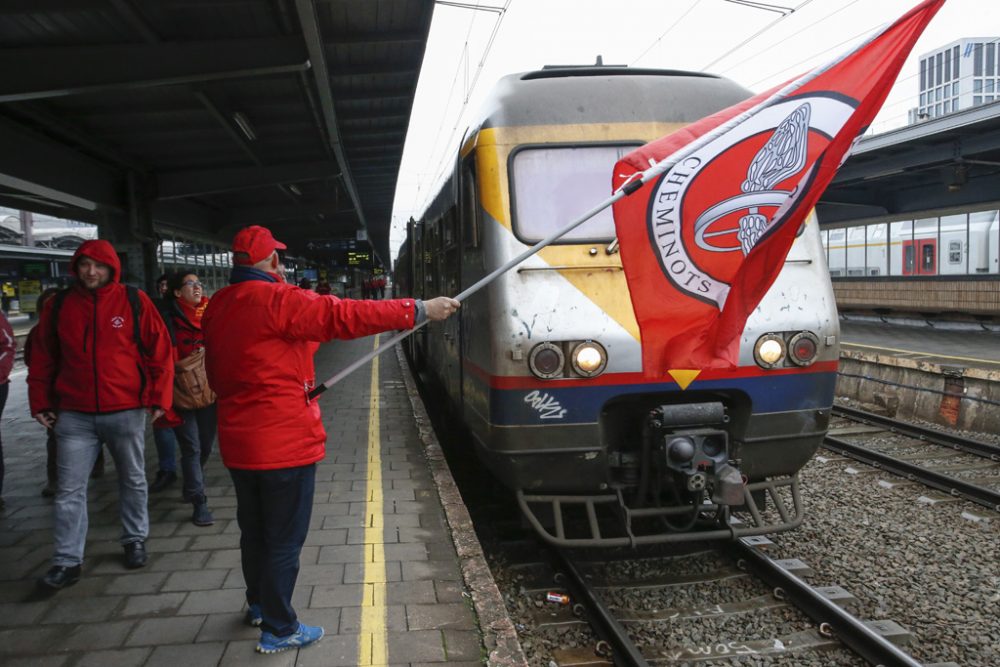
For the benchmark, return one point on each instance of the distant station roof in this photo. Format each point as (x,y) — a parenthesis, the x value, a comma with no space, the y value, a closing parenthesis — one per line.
(215,113)
(949,162)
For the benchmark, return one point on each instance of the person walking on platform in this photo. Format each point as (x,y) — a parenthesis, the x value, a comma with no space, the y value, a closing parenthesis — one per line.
(163,434)
(102,359)
(7,349)
(194,401)
(260,337)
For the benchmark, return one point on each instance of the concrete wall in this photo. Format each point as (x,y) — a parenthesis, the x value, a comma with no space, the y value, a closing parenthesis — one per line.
(963,398)
(978,297)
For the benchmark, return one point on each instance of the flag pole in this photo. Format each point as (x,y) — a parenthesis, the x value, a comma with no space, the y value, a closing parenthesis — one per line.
(623,191)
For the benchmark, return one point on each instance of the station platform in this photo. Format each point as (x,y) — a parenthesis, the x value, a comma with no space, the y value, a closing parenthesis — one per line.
(948,373)
(380,570)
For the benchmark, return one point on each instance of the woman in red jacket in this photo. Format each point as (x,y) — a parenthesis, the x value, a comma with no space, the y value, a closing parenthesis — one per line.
(196,432)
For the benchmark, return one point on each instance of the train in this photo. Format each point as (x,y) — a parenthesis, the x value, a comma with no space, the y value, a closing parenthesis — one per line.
(543,366)
(961,244)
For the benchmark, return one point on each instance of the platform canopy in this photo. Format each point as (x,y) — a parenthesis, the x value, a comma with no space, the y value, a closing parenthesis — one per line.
(207,115)
(947,163)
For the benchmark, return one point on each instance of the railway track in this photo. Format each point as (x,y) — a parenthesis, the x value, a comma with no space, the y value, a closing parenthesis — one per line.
(957,466)
(828,627)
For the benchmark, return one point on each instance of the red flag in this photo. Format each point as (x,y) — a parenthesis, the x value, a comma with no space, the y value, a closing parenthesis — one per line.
(702,243)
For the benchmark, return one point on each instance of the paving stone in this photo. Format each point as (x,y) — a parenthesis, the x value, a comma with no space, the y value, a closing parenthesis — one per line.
(227,627)
(407,552)
(205,654)
(341,595)
(94,636)
(22,613)
(213,602)
(165,631)
(354,573)
(126,657)
(350,619)
(27,640)
(69,610)
(242,653)
(39,661)
(224,541)
(162,604)
(195,580)
(410,592)
(161,545)
(449,591)
(187,560)
(341,554)
(224,559)
(315,575)
(331,651)
(327,535)
(417,645)
(439,617)
(136,583)
(463,645)
(432,569)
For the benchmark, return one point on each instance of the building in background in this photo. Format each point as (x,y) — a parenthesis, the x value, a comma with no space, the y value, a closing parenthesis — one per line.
(958,76)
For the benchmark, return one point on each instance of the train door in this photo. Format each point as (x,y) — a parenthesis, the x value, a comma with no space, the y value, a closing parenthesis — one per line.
(451,284)
(920,257)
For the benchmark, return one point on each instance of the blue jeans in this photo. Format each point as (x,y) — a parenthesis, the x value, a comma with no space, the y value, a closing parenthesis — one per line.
(166,446)
(273,508)
(195,437)
(79,436)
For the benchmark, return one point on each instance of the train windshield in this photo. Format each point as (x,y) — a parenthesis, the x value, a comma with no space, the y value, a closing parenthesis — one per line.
(553,186)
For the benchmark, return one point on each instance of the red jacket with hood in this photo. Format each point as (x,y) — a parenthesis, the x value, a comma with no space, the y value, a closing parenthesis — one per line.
(260,337)
(92,363)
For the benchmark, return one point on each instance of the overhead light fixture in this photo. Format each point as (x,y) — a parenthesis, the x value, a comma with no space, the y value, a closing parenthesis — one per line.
(295,189)
(243,123)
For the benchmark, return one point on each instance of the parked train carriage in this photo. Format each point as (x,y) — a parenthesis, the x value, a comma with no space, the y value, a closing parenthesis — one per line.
(957,245)
(544,365)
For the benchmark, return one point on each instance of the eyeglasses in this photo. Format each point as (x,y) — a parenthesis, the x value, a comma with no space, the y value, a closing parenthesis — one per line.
(192,283)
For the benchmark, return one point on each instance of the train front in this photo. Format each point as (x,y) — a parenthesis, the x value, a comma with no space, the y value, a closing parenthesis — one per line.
(597,454)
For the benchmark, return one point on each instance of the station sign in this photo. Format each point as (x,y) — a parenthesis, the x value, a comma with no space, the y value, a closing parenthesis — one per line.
(356,258)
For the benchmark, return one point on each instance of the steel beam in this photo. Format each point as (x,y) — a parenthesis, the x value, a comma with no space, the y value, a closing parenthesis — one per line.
(261,215)
(321,76)
(38,166)
(41,72)
(204,182)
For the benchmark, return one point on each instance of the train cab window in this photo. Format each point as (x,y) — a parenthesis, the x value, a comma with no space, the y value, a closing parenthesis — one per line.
(553,186)
(469,208)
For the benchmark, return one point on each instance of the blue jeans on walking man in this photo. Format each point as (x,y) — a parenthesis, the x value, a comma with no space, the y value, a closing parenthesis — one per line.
(273,510)
(80,436)
(195,437)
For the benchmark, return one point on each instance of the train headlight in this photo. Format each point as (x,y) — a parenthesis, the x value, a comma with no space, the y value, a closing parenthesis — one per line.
(589,358)
(546,360)
(803,348)
(769,350)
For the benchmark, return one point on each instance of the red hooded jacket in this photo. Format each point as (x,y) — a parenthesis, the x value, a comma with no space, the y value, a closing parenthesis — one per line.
(260,337)
(92,363)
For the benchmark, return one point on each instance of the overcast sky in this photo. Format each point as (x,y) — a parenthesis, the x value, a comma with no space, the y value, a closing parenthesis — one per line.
(755,48)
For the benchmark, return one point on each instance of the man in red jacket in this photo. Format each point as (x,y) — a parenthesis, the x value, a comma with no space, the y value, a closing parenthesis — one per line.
(260,337)
(91,380)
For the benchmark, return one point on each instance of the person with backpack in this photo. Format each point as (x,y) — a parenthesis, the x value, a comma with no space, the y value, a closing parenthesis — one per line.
(194,401)
(102,360)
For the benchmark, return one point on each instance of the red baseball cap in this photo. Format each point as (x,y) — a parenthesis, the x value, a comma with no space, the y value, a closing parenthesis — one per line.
(257,242)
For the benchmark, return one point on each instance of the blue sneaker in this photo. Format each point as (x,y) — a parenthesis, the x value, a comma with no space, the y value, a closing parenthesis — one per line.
(254,616)
(304,636)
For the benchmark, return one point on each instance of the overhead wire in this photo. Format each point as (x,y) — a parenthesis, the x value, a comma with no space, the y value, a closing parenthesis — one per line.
(665,32)
(444,162)
(758,34)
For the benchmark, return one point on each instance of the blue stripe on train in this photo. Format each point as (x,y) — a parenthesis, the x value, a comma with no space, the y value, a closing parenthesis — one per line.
(569,405)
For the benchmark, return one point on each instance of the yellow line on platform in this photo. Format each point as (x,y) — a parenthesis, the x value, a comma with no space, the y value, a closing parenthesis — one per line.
(926,354)
(372,643)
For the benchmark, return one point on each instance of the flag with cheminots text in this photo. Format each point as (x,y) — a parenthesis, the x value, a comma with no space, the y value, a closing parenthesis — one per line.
(702,242)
